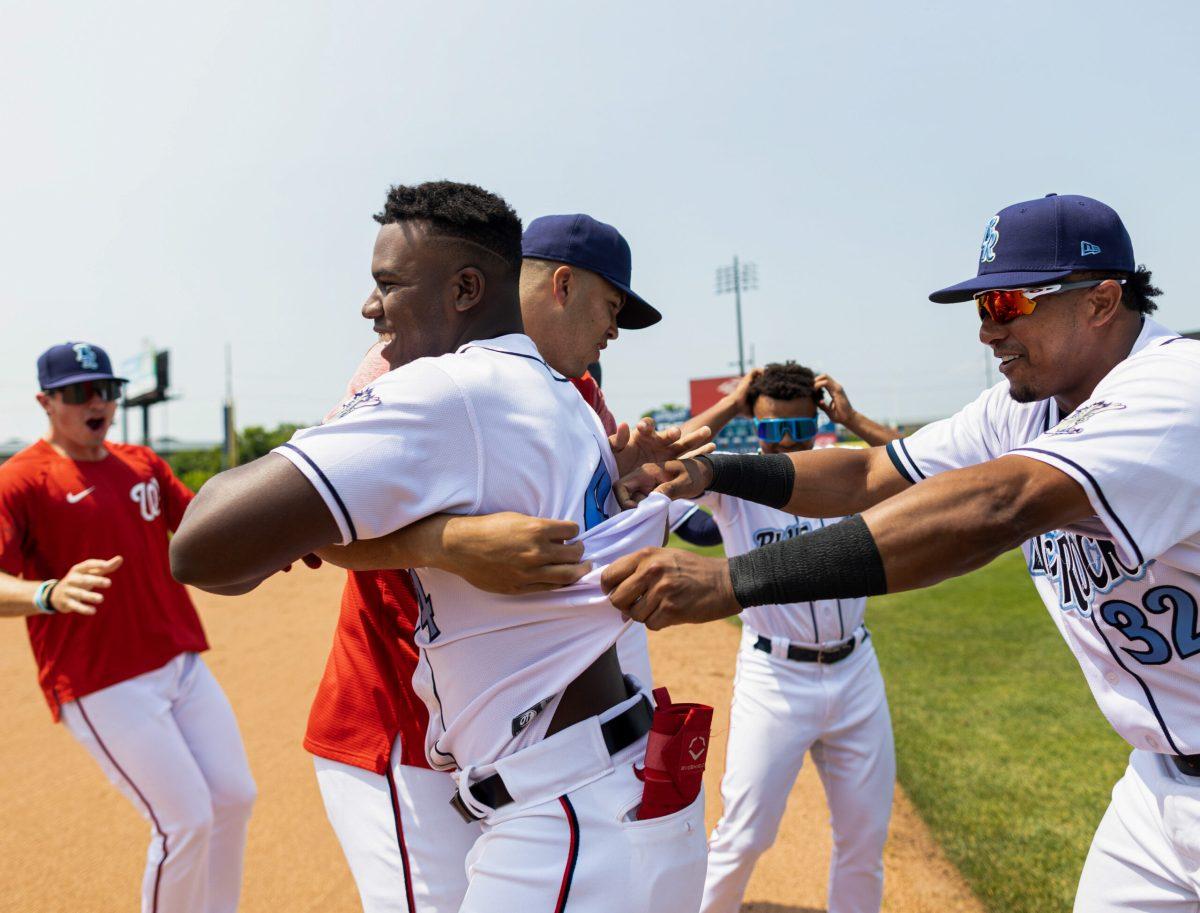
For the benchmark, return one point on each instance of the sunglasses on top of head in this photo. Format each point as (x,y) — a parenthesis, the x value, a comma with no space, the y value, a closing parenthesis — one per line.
(1004,305)
(774,430)
(81,393)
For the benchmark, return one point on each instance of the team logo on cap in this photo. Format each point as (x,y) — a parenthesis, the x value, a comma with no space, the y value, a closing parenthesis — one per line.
(991,236)
(86,356)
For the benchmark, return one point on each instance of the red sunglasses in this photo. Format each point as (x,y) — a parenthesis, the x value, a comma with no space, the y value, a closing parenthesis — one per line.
(1004,305)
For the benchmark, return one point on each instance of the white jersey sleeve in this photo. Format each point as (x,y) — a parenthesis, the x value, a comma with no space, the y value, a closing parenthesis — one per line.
(1133,449)
(968,437)
(402,448)
(678,512)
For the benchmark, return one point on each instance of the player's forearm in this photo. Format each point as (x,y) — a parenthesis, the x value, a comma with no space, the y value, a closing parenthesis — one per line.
(870,430)
(16,596)
(418,545)
(959,521)
(714,417)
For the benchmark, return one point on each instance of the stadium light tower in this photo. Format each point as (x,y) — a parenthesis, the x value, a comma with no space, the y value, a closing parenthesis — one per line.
(738,278)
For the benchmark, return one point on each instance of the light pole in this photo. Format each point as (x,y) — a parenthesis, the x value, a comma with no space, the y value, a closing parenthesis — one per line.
(737,278)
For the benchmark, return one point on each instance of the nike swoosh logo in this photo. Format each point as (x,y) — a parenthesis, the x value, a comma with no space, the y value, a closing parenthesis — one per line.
(76,498)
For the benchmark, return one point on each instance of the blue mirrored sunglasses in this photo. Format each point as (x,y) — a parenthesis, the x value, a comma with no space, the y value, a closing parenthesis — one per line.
(774,430)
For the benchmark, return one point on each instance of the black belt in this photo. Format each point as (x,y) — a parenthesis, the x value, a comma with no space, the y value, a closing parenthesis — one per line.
(805,655)
(620,732)
(1188,764)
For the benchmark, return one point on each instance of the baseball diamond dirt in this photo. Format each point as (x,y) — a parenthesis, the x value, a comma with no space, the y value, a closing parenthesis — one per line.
(70,842)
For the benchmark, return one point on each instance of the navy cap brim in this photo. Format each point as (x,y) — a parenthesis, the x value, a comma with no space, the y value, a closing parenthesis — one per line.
(635,313)
(965,291)
(80,378)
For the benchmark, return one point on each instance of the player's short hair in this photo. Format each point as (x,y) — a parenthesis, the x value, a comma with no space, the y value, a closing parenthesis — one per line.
(782,380)
(1138,292)
(465,212)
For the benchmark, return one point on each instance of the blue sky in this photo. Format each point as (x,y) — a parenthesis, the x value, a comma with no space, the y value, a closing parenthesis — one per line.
(203,174)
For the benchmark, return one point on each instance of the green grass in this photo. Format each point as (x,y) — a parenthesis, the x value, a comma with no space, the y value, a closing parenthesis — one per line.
(998,741)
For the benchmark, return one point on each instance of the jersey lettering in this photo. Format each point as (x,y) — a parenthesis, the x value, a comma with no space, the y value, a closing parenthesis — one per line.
(424,610)
(148,499)
(770,534)
(598,491)
(1080,567)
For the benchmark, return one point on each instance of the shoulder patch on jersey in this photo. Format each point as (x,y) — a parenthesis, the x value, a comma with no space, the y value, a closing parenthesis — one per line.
(1071,424)
(363,399)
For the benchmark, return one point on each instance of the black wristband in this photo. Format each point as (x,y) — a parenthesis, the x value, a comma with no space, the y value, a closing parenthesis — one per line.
(763,478)
(837,562)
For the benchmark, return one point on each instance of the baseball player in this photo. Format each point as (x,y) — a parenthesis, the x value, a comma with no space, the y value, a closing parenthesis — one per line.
(116,640)
(807,676)
(1084,456)
(526,698)
(366,729)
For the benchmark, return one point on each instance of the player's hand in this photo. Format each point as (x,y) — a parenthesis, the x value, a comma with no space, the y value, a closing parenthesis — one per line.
(686,478)
(661,587)
(77,592)
(741,394)
(834,403)
(511,553)
(646,444)
(310,560)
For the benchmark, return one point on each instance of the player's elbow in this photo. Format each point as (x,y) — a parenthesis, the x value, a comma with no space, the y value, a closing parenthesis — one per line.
(197,546)
(1017,501)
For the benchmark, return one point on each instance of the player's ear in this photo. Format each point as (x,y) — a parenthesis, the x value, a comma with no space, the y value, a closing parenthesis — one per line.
(562,283)
(1104,303)
(467,288)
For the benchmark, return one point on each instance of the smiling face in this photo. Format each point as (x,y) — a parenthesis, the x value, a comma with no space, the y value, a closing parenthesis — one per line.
(1051,352)
(769,407)
(422,288)
(79,430)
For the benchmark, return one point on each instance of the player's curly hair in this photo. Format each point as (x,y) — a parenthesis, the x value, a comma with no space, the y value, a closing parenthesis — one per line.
(1138,292)
(782,380)
(463,211)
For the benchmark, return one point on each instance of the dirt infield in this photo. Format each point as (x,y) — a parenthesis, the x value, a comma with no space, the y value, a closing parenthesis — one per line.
(71,843)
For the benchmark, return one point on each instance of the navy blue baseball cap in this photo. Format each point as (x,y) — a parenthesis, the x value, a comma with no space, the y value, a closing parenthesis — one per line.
(582,241)
(73,363)
(1041,241)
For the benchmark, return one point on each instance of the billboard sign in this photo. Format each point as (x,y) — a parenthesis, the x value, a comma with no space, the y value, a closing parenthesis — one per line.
(706,392)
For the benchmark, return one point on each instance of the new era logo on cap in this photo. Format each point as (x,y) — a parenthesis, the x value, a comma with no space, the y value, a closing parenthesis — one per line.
(1087,248)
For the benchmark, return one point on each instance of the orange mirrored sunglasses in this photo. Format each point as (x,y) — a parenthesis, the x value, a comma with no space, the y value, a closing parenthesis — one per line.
(1004,305)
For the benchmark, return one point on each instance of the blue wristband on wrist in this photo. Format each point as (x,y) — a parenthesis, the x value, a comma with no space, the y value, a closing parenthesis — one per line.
(41,598)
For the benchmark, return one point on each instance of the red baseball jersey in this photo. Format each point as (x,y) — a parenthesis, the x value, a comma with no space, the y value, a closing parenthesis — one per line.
(366,697)
(56,512)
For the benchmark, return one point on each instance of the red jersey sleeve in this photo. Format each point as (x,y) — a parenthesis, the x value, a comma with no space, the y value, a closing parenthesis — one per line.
(176,496)
(13,524)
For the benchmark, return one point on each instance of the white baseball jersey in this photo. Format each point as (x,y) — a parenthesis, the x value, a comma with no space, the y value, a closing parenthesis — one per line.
(1123,586)
(746,526)
(489,428)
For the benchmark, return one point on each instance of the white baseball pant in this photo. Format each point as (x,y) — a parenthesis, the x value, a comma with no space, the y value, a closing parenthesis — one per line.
(405,845)
(169,741)
(570,840)
(1146,853)
(782,709)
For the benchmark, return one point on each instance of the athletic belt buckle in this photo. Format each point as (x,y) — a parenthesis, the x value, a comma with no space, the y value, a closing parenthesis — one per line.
(457,803)
(619,733)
